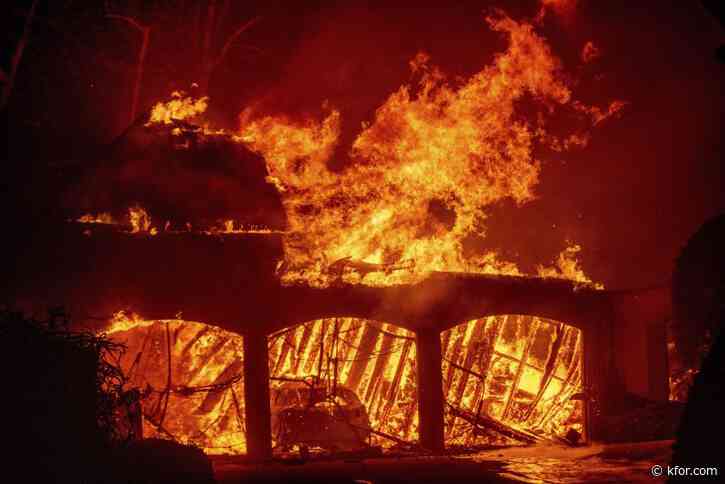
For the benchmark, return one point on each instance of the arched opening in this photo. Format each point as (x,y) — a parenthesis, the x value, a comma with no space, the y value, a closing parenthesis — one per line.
(189,379)
(512,379)
(342,384)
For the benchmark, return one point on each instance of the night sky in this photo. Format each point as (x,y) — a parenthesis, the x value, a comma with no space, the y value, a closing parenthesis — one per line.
(645,183)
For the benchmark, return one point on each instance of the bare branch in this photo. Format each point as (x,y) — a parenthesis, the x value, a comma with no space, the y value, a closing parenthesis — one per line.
(243,28)
(144,30)
(9,78)
(130,20)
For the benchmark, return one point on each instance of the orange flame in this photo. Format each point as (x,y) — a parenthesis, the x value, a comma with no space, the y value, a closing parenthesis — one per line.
(517,370)
(567,267)
(425,169)
(520,371)
(201,400)
(140,221)
(434,157)
(180,107)
(101,218)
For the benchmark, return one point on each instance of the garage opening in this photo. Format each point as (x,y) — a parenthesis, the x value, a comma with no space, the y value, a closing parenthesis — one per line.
(512,379)
(342,384)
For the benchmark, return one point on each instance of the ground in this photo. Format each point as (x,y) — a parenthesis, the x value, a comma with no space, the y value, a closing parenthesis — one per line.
(551,464)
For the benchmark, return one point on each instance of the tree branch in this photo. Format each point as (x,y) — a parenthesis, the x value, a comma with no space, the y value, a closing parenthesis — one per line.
(142,28)
(9,78)
(232,38)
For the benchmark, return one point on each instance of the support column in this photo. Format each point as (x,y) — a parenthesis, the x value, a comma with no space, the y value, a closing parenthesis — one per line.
(257,411)
(602,382)
(430,390)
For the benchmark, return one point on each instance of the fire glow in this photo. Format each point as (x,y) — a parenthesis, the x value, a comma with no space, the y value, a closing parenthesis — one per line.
(506,372)
(434,157)
(424,171)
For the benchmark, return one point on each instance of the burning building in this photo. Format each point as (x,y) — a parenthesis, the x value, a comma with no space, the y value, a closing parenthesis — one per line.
(295,283)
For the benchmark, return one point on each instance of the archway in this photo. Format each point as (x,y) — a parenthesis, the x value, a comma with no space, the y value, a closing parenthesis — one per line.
(190,381)
(342,383)
(512,378)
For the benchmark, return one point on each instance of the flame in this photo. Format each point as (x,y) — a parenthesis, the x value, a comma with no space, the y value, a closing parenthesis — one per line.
(231,227)
(374,360)
(567,267)
(123,321)
(422,175)
(139,221)
(101,218)
(179,108)
(284,143)
(205,386)
(516,370)
(435,156)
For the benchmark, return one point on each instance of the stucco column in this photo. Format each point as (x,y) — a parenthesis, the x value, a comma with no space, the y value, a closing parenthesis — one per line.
(257,411)
(430,390)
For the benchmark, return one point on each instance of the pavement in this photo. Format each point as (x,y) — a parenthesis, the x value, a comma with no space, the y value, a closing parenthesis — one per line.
(597,463)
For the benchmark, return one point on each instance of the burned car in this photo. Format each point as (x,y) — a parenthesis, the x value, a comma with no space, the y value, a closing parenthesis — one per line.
(311,415)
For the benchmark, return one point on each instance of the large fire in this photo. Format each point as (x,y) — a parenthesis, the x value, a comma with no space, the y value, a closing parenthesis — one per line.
(516,370)
(420,178)
(424,171)
(499,372)
(376,361)
(190,379)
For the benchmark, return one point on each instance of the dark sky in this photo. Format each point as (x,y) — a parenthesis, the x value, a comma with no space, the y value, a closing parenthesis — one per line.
(631,198)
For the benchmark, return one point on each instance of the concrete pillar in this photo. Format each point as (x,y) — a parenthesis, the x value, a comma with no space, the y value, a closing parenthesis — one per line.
(430,390)
(257,411)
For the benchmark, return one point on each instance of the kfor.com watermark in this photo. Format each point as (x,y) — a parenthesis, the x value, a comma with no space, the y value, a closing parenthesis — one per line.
(684,471)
